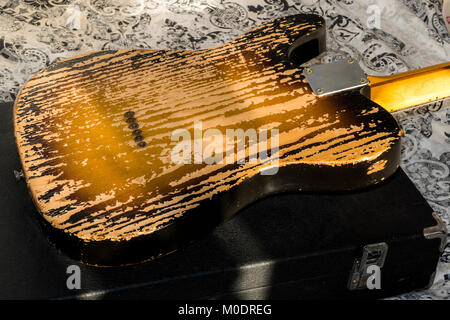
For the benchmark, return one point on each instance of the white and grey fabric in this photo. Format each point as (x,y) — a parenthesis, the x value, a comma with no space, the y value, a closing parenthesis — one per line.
(386,36)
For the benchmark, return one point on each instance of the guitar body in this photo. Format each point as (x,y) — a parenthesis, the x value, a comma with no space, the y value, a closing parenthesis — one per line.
(95,135)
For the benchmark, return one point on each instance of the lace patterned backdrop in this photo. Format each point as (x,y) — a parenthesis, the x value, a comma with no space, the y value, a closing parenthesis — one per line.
(386,36)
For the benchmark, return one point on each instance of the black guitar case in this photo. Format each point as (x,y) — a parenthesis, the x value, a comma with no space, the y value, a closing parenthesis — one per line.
(290,246)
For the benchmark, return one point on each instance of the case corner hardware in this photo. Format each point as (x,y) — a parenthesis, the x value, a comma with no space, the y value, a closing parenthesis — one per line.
(330,78)
(373,254)
(438,231)
(18,175)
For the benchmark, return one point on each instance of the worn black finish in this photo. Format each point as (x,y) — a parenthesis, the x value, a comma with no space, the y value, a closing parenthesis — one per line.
(122,205)
(285,246)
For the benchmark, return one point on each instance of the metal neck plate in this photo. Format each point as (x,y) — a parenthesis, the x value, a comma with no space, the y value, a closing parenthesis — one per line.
(325,79)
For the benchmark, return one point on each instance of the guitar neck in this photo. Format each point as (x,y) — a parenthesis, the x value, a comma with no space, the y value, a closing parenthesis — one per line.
(412,88)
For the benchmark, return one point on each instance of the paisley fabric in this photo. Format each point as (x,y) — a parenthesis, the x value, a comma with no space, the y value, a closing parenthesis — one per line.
(386,36)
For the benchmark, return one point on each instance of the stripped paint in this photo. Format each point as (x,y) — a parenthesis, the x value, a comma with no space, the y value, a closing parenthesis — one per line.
(89,178)
(377,166)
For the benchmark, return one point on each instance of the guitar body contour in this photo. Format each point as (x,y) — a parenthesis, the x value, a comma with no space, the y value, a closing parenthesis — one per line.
(94,134)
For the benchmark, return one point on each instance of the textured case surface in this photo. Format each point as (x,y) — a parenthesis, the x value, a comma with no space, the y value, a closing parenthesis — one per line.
(286,246)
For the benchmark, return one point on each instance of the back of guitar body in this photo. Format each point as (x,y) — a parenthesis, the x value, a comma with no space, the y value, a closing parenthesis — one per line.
(127,154)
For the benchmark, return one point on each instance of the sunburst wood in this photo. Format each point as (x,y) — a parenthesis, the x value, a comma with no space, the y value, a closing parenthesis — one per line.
(111,201)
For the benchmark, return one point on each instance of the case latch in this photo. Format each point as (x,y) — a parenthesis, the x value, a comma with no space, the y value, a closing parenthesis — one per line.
(373,254)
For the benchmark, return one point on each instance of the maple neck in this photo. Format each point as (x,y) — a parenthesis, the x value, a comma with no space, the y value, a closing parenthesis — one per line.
(412,88)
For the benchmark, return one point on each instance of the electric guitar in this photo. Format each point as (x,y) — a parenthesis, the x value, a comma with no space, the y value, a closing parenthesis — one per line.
(130,154)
